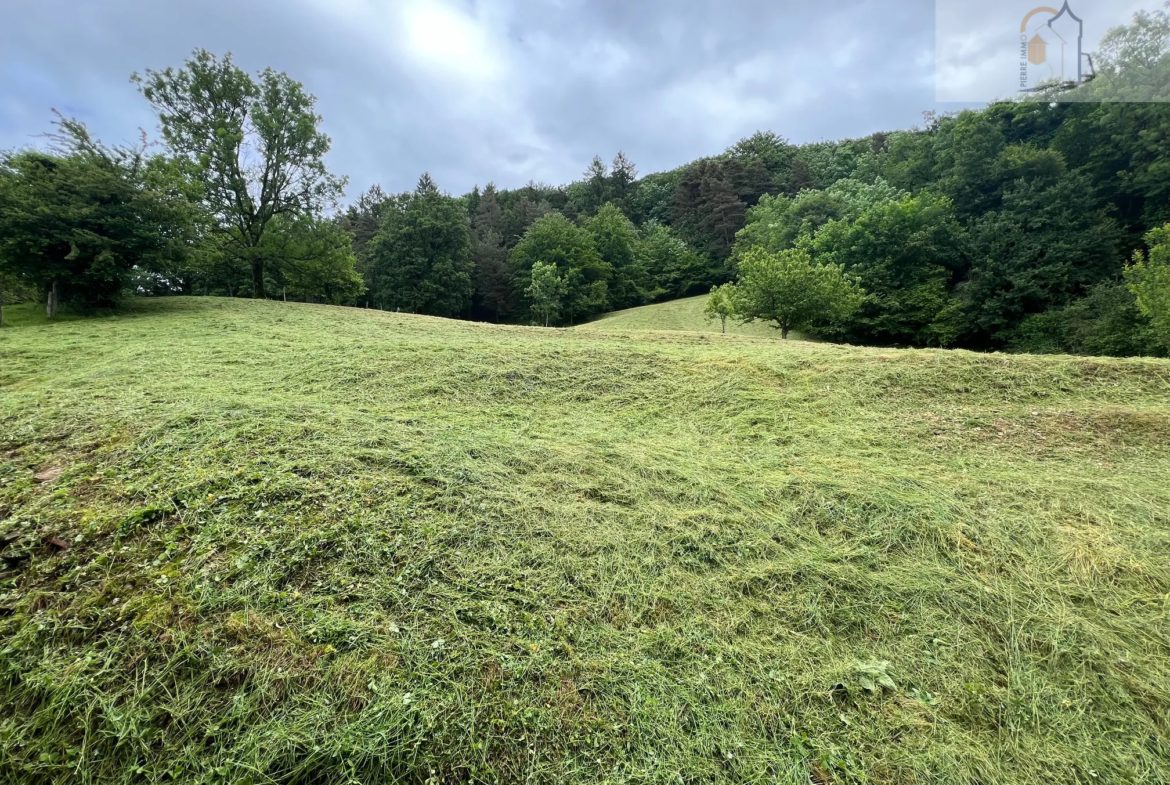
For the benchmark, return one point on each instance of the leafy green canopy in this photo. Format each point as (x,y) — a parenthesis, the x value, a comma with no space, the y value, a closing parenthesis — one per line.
(617,242)
(557,241)
(904,254)
(1149,280)
(547,291)
(720,305)
(86,219)
(422,256)
(792,291)
(252,143)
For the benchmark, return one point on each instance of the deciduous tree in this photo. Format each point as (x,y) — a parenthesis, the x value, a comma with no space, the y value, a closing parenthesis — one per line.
(721,305)
(616,240)
(555,240)
(546,292)
(791,291)
(1149,280)
(79,222)
(253,143)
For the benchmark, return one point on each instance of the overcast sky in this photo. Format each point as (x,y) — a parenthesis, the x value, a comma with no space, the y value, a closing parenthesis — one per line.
(493,90)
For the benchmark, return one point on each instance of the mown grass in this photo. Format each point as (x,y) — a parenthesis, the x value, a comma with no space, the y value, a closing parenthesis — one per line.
(30,314)
(300,544)
(684,315)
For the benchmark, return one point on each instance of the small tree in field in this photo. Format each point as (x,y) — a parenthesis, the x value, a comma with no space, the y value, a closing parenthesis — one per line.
(721,304)
(1149,280)
(547,291)
(791,291)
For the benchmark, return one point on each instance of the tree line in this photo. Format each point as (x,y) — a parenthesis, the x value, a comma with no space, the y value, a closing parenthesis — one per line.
(1032,225)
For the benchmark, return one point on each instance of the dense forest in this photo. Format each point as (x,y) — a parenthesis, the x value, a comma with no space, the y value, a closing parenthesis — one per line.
(1030,225)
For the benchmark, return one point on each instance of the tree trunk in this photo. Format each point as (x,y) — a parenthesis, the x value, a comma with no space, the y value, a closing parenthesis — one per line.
(1,303)
(284,293)
(258,279)
(724,320)
(784,333)
(51,305)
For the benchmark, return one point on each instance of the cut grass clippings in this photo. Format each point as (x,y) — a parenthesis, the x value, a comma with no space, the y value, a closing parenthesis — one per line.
(281,543)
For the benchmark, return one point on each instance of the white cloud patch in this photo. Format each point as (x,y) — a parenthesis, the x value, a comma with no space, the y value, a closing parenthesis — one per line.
(451,43)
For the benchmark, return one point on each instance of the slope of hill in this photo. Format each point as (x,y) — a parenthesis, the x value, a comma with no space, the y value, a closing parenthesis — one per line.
(684,315)
(267,542)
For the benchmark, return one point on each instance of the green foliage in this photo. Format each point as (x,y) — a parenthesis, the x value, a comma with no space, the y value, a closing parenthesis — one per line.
(555,240)
(1047,245)
(827,162)
(1133,62)
(493,286)
(711,201)
(363,220)
(720,305)
(313,258)
(770,149)
(623,176)
(81,222)
(547,291)
(653,198)
(968,163)
(858,196)
(904,254)
(596,191)
(672,268)
(422,256)
(1142,44)
(1149,280)
(253,144)
(1105,322)
(792,291)
(777,223)
(616,240)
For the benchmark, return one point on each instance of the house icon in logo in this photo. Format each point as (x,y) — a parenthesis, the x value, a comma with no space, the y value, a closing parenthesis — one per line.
(1051,44)
(1037,50)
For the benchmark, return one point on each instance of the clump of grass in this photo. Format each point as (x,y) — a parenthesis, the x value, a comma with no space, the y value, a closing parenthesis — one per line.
(292,543)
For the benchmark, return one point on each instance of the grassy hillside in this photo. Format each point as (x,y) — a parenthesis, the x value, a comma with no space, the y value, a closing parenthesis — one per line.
(267,542)
(676,315)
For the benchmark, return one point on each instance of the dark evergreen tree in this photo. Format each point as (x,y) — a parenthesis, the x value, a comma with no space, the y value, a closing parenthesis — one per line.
(597,186)
(622,177)
(707,210)
(363,220)
(493,298)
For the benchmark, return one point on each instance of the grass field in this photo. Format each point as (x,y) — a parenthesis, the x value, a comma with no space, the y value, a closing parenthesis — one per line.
(268,542)
(678,316)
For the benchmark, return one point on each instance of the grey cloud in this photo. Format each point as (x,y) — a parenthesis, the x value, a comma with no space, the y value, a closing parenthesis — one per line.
(507,91)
